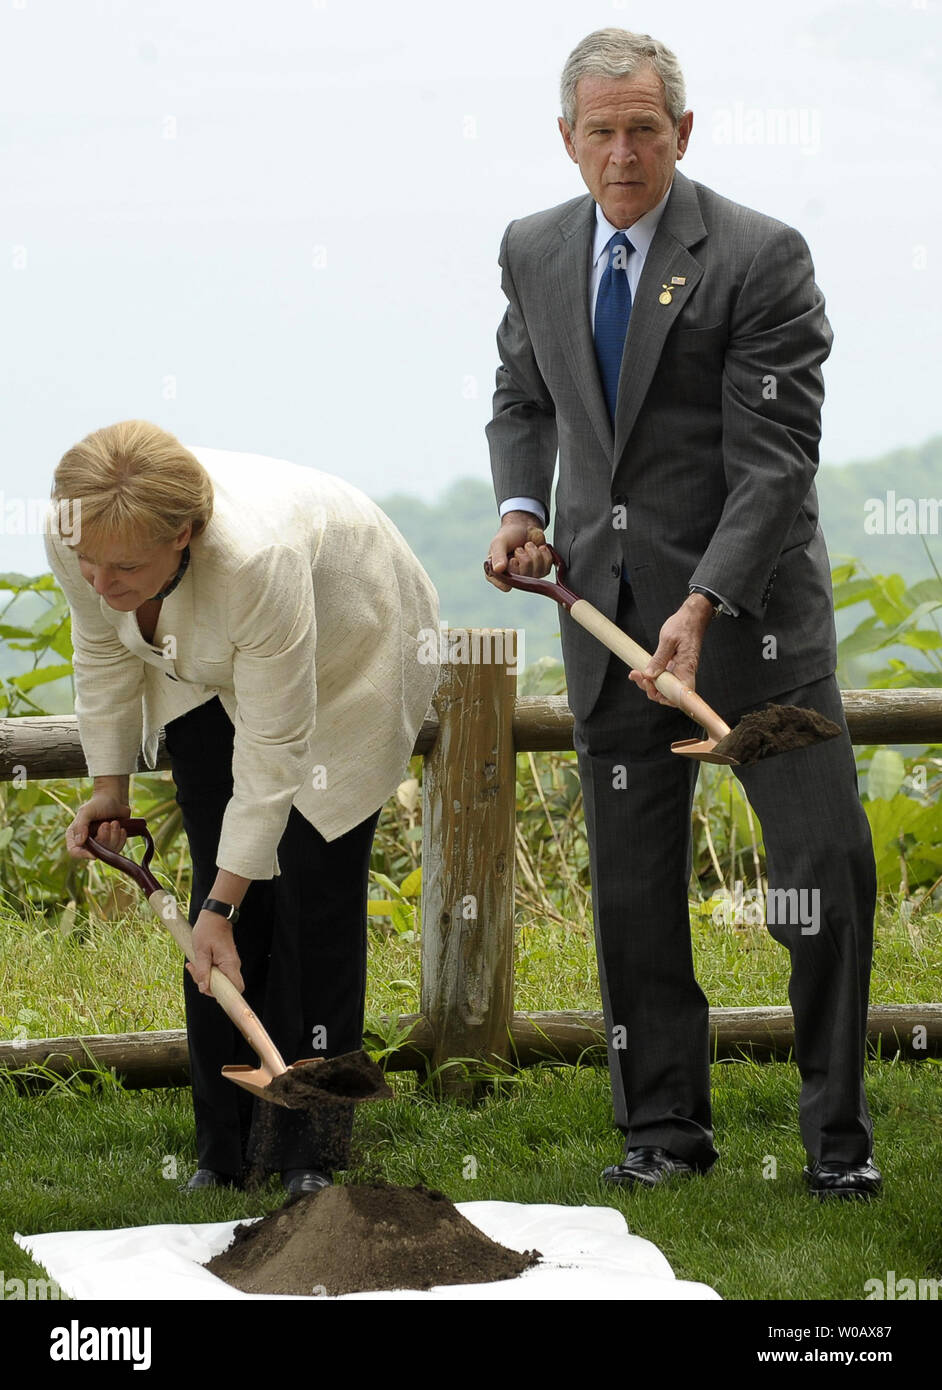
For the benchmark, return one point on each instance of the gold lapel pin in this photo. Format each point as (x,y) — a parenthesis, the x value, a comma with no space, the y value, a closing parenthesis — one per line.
(665,296)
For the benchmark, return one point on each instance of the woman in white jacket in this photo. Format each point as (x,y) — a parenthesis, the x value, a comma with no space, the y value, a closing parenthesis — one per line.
(274,622)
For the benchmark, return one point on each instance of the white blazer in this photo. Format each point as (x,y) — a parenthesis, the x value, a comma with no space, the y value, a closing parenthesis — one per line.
(305,611)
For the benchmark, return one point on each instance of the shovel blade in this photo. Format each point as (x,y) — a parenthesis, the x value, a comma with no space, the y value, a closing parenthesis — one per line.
(704,750)
(254,1079)
(258,1080)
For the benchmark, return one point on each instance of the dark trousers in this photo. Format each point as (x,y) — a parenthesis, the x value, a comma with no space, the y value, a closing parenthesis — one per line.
(638,798)
(301,937)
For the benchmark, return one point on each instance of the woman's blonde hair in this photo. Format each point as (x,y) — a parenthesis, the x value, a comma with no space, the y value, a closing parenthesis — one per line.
(134,479)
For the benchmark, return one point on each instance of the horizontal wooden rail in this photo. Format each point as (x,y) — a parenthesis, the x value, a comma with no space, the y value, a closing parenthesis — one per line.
(544,723)
(48,745)
(156,1059)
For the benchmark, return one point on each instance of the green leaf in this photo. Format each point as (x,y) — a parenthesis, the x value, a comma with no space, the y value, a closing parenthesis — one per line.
(28,796)
(385,882)
(61,643)
(886,774)
(925,591)
(852,591)
(379,907)
(889,820)
(914,617)
(887,596)
(411,885)
(866,637)
(403,918)
(41,676)
(841,573)
(22,583)
(923,640)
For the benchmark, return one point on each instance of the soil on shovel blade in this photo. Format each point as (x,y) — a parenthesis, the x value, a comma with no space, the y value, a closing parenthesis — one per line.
(360,1238)
(775,729)
(354,1076)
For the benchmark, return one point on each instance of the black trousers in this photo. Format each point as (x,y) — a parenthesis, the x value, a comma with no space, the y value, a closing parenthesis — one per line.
(301,937)
(638,798)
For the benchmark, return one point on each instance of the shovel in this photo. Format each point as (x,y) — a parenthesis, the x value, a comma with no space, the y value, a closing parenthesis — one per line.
(776,729)
(352,1076)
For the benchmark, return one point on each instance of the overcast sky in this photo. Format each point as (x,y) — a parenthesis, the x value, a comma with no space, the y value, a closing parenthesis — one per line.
(273,227)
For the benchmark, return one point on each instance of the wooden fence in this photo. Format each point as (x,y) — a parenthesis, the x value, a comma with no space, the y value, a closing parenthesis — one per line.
(476,727)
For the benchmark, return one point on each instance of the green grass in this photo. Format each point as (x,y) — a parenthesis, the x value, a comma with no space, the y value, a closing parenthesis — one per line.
(124,976)
(89,1155)
(97,1159)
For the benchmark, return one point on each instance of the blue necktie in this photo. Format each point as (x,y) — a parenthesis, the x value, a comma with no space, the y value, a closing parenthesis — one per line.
(612,311)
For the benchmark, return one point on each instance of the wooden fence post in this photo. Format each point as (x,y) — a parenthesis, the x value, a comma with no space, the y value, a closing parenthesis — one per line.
(468,823)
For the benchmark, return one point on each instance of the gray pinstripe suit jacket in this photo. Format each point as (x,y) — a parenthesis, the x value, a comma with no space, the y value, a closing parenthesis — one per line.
(709,472)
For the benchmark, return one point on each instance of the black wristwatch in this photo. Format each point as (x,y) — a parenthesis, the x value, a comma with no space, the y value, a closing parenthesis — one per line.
(717,603)
(226,910)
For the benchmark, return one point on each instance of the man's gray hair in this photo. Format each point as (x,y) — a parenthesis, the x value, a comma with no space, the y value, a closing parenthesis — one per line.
(620,53)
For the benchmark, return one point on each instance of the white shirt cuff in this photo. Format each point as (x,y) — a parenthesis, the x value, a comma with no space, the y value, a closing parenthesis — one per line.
(524,504)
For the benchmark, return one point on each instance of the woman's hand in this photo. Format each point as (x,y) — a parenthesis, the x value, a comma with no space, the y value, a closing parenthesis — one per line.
(213,944)
(106,807)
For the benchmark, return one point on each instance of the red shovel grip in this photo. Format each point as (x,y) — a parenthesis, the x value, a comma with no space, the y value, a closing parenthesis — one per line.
(558,591)
(134,825)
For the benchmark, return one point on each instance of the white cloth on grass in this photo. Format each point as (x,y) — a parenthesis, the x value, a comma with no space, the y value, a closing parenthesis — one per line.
(588,1253)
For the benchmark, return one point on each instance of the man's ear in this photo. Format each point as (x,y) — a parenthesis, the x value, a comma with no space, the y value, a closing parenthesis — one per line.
(566,133)
(684,127)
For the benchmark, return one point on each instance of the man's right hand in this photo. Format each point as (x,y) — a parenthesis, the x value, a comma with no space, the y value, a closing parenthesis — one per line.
(520,544)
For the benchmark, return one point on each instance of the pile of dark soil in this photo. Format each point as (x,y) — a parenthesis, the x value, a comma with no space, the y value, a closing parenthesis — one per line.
(775,729)
(360,1238)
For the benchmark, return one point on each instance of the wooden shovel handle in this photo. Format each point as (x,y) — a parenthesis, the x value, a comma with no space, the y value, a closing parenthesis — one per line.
(167,912)
(637,658)
(611,636)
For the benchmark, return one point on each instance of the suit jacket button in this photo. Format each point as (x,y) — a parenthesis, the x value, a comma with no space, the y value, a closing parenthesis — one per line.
(616,571)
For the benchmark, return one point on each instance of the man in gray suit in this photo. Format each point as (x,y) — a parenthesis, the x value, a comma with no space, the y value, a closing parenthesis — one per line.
(668,343)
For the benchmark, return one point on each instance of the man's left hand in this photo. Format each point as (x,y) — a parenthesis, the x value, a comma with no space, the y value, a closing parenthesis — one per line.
(678,648)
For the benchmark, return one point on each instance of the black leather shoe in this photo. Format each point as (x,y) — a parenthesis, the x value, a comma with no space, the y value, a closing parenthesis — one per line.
(843,1179)
(298,1180)
(647,1167)
(207,1177)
